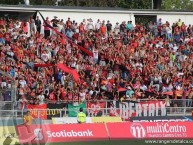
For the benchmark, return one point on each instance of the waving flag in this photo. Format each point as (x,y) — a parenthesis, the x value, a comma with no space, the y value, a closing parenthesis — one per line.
(69,70)
(62,35)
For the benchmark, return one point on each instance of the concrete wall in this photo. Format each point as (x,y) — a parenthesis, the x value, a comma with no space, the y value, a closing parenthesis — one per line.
(187,19)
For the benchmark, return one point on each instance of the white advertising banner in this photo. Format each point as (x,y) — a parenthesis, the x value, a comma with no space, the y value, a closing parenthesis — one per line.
(69,120)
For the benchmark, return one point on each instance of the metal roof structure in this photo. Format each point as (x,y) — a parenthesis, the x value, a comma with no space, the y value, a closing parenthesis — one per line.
(32,8)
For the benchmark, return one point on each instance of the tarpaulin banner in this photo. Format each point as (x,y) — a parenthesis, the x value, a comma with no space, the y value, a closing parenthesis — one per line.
(63,133)
(129,109)
(38,111)
(95,108)
(150,130)
(73,110)
(57,109)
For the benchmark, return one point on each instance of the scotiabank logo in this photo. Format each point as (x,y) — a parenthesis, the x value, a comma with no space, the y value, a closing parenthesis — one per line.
(137,130)
(71,133)
(63,133)
(38,134)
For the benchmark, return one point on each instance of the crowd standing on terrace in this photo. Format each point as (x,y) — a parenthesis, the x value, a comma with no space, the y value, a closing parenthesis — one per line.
(152,61)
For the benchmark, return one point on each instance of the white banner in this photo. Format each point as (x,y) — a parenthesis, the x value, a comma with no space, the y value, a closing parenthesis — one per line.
(68,120)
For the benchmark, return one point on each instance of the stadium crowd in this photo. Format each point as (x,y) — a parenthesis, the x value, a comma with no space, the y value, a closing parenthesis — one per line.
(152,61)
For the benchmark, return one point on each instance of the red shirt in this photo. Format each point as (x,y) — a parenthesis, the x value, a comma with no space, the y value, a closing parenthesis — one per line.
(2,22)
(81,28)
(7,37)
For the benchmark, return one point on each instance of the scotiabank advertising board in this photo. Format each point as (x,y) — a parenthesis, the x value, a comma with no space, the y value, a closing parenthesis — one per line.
(62,133)
(153,130)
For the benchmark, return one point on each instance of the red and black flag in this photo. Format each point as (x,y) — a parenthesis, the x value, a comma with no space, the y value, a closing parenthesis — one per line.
(62,35)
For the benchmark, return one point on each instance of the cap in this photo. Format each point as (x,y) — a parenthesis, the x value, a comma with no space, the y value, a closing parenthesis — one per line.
(81,109)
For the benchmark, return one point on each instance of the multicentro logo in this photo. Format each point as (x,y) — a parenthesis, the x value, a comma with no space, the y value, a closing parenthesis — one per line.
(137,130)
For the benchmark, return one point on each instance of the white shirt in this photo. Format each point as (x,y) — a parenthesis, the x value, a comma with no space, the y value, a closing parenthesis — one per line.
(82,96)
(45,57)
(98,25)
(175,48)
(69,49)
(41,99)
(95,54)
(90,26)
(143,87)
(168,30)
(23,83)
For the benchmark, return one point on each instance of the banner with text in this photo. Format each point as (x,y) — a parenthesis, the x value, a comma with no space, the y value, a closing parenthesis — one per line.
(129,109)
(95,108)
(150,130)
(38,111)
(57,109)
(63,133)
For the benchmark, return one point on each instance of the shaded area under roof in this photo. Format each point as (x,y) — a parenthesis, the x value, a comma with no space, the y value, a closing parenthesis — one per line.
(88,8)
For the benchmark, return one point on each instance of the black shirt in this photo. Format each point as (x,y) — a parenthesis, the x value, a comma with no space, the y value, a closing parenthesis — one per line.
(109,26)
(54,21)
(38,23)
(122,27)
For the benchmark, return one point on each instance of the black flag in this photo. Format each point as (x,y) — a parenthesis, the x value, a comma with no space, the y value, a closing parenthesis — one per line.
(35,15)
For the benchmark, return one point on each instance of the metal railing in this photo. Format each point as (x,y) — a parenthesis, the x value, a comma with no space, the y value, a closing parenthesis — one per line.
(121,112)
(180,102)
(178,107)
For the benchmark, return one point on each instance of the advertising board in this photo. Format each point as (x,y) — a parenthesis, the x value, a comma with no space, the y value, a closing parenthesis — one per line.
(150,130)
(73,120)
(63,133)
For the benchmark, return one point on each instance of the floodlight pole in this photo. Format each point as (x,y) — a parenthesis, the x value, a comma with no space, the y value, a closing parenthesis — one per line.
(152,4)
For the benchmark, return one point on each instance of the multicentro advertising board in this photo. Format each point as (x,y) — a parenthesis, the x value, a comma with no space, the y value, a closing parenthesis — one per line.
(150,130)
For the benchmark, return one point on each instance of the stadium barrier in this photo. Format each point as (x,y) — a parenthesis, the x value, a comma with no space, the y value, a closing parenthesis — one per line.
(59,133)
(124,113)
(73,120)
(9,105)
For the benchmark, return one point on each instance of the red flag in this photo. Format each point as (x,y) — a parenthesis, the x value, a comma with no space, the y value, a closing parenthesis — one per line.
(76,76)
(69,70)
